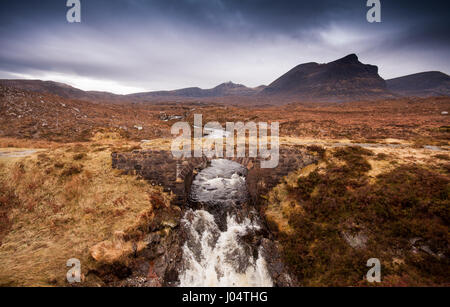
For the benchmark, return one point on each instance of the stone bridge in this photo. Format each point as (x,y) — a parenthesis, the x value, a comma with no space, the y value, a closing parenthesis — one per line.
(159,167)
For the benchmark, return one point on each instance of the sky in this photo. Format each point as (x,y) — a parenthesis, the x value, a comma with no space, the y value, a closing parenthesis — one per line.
(144,45)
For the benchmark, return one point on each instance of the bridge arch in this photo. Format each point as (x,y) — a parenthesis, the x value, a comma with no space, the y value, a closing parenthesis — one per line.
(159,167)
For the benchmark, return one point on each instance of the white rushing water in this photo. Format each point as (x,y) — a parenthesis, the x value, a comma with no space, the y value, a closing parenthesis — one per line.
(215,258)
(223,183)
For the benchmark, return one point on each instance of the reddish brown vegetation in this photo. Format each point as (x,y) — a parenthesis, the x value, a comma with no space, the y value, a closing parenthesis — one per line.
(402,219)
(44,116)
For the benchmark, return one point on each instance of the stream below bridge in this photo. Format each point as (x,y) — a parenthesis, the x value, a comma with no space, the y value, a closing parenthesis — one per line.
(222,231)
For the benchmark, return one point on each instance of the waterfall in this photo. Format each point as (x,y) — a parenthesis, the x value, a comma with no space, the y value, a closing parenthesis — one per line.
(219,256)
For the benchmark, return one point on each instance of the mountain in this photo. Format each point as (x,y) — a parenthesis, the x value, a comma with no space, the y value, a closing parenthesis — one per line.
(346,79)
(60,89)
(222,90)
(343,79)
(425,84)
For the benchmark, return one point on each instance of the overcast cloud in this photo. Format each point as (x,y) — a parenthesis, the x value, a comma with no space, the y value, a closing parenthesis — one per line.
(136,45)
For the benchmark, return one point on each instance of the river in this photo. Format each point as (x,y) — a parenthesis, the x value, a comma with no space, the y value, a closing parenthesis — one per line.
(220,229)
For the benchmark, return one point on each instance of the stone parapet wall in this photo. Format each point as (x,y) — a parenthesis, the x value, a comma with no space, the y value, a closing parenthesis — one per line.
(160,167)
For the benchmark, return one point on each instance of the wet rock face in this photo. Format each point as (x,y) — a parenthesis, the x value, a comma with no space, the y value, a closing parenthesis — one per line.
(155,266)
(167,258)
(277,270)
(157,263)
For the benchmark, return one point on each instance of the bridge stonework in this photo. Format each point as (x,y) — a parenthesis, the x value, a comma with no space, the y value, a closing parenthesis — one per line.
(159,167)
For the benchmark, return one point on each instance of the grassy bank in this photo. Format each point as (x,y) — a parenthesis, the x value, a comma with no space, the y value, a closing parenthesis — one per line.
(355,205)
(67,202)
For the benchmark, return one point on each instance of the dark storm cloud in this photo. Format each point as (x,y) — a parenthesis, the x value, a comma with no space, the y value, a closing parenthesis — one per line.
(156,44)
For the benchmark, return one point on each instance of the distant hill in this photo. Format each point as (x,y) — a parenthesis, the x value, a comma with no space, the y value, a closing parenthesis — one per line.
(344,79)
(425,84)
(60,89)
(222,90)
(66,91)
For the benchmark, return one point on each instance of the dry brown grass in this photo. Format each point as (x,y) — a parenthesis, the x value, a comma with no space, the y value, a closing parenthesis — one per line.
(65,206)
(24,143)
(280,205)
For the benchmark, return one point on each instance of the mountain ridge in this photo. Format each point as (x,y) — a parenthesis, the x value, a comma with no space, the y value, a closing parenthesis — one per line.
(423,84)
(345,79)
